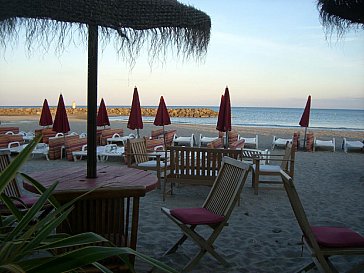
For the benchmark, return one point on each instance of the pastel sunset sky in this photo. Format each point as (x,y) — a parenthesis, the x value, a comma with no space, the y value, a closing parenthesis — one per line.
(269,54)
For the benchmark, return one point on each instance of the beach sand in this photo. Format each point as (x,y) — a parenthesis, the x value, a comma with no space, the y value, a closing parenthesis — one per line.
(263,234)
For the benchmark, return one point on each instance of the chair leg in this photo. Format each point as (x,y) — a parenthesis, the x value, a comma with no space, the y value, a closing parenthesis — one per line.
(306,268)
(255,179)
(174,248)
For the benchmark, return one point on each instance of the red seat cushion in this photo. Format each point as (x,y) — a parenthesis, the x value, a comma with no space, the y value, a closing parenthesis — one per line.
(337,237)
(196,216)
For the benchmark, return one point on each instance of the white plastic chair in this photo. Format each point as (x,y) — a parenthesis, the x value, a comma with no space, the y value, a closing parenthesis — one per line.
(16,147)
(251,141)
(184,140)
(41,149)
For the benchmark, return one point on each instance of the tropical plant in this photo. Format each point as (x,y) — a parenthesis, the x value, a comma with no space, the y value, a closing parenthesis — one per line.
(29,243)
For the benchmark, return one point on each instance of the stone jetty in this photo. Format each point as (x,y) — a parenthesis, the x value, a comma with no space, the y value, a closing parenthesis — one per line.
(81,112)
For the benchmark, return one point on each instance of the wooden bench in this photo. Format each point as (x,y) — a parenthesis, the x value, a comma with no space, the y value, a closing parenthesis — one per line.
(197,165)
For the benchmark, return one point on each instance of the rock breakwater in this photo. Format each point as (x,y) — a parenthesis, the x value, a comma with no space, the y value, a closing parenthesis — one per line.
(81,112)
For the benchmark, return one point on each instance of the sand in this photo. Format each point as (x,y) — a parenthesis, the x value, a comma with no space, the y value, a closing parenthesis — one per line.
(263,235)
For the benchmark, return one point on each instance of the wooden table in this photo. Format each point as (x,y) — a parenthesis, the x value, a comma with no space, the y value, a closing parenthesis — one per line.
(111,210)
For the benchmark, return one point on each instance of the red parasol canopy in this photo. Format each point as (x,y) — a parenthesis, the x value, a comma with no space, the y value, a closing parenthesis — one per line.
(227,111)
(224,118)
(305,119)
(102,117)
(162,116)
(61,124)
(220,118)
(135,117)
(45,116)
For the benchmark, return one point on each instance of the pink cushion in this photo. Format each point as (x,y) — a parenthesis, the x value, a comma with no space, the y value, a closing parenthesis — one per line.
(337,237)
(196,216)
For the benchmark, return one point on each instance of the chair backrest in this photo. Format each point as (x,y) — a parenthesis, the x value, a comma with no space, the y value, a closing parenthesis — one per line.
(227,187)
(3,130)
(12,188)
(288,159)
(298,210)
(137,148)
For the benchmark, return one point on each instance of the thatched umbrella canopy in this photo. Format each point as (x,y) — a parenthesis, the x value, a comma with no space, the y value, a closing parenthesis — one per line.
(162,23)
(341,14)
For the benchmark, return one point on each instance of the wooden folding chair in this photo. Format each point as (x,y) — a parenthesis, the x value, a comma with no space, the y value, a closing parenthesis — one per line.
(268,170)
(214,213)
(323,241)
(138,157)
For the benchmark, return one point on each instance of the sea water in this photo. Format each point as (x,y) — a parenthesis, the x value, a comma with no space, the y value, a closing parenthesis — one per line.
(331,119)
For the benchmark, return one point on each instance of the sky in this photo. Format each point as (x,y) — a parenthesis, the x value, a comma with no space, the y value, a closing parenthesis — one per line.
(269,54)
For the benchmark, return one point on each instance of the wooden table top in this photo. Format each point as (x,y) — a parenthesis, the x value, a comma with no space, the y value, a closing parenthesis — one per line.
(113,181)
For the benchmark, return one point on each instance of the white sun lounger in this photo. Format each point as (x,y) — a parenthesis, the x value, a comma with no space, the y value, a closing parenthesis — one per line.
(83,152)
(282,142)
(111,150)
(325,144)
(352,145)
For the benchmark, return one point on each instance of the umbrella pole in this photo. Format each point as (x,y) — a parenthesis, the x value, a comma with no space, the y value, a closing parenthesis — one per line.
(138,136)
(227,139)
(304,139)
(92,100)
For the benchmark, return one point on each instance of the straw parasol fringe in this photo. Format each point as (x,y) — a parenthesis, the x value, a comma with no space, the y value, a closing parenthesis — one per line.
(341,15)
(130,24)
(163,23)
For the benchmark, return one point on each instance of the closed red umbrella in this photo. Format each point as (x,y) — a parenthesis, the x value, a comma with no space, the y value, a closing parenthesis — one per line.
(135,118)
(224,118)
(102,117)
(220,118)
(162,116)
(305,119)
(45,116)
(61,124)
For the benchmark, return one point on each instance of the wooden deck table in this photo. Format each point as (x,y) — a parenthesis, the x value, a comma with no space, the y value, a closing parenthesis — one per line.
(112,210)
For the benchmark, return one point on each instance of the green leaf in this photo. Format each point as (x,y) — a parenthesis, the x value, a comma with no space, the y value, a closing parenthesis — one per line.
(46,230)
(10,205)
(10,172)
(75,240)
(78,258)
(41,189)
(12,268)
(31,213)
